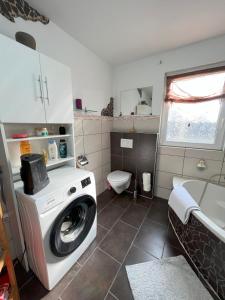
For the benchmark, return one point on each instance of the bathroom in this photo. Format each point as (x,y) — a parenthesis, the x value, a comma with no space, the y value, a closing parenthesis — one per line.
(151,150)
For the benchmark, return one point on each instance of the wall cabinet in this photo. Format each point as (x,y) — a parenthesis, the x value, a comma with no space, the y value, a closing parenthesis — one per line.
(33,87)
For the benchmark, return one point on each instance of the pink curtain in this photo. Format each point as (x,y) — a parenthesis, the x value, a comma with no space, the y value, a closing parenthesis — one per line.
(198,86)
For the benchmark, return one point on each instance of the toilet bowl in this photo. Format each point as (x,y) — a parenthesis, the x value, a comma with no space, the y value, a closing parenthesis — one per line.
(119,180)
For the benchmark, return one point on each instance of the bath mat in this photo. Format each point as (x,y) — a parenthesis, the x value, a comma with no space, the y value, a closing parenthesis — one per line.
(166,279)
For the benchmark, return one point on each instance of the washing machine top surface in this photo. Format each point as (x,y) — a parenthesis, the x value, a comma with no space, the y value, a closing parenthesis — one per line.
(59,178)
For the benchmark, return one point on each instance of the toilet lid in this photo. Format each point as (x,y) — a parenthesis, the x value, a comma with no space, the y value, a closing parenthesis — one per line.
(119,176)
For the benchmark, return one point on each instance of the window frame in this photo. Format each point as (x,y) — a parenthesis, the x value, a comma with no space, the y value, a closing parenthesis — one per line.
(220,131)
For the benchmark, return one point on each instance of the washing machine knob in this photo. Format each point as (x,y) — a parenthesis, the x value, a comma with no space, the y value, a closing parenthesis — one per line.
(73,190)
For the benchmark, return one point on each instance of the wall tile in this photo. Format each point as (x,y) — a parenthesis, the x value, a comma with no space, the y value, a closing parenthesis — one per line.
(91,126)
(100,187)
(105,140)
(78,127)
(162,192)
(106,169)
(95,160)
(115,138)
(165,150)
(146,125)
(169,163)
(106,156)
(98,175)
(164,179)
(79,149)
(120,125)
(107,125)
(92,143)
(190,169)
(204,154)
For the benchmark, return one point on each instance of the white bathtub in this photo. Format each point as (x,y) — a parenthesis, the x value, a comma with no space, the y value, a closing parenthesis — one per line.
(211,199)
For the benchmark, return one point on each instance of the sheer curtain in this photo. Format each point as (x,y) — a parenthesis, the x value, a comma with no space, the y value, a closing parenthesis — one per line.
(197,86)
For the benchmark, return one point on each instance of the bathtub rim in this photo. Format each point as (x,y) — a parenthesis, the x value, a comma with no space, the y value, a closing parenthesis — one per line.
(206,221)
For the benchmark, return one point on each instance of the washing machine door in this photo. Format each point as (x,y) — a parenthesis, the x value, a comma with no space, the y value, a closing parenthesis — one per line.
(72,225)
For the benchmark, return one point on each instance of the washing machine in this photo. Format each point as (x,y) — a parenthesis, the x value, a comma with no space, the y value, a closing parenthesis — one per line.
(59,222)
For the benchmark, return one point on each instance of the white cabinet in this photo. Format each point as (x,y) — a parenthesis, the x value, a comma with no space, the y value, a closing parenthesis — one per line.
(20,96)
(57,91)
(33,87)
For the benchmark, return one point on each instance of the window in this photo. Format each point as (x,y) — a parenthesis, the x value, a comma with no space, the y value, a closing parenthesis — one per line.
(194,110)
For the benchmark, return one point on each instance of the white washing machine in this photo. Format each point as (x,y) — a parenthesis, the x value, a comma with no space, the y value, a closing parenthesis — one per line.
(59,222)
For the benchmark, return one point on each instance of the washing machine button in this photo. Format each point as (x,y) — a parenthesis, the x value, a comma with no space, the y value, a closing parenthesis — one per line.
(72,190)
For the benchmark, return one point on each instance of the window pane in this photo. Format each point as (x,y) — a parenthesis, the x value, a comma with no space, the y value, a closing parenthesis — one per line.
(193,123)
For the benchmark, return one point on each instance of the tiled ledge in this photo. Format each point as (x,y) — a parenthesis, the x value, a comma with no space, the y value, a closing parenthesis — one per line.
(91,117)
(136,117)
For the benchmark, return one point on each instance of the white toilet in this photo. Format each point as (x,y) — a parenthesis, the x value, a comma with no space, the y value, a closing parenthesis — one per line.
(119,180)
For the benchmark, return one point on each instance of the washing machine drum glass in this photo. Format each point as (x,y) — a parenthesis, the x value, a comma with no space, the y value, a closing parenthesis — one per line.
(72,225)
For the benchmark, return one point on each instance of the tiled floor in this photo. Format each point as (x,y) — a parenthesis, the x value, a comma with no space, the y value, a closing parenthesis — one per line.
(129,232)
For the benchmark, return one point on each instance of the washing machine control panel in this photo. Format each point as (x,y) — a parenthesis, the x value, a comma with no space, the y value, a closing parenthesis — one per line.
(85,182)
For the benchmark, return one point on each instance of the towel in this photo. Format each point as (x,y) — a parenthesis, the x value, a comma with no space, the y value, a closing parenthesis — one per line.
(182,203)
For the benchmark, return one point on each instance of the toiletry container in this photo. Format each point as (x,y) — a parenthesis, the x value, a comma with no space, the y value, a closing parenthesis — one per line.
(52,150)
(62,149)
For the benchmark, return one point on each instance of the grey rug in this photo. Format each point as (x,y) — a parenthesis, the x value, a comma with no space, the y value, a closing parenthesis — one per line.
(166,279)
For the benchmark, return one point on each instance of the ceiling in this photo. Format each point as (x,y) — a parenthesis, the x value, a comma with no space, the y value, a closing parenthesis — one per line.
(121,31)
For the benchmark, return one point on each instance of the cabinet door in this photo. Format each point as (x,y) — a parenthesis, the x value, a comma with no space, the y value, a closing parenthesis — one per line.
(57,90)
(20,96)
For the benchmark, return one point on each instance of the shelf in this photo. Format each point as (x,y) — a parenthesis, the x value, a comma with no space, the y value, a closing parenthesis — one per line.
(50,163)
(34,138)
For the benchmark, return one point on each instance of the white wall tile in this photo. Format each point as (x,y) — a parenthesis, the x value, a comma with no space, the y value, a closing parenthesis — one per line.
(106,156)
(164,179)
(92,143)
(79,149)
(78,127)
(91,126)
(204,154)
(98,175)
(166,150)
(95,160)
(105,140)
(146,125)
(107,125)
(121,125)
(169,163)
(100,188)
(106,169)
(162,192)
(190,169)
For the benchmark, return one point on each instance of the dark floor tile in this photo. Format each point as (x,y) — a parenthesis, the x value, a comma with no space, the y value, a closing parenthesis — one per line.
(22,276)
(134,215)
(118,241)
(101,232)
(34,289)
(110,296)
(151,238)
(171,238)
(169,251)
(122,200)
(159,212)
(109,215)
(121,287)
(143,201)
(94,279)
(104,199)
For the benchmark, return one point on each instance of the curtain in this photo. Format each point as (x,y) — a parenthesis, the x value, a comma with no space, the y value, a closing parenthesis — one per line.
(198,86)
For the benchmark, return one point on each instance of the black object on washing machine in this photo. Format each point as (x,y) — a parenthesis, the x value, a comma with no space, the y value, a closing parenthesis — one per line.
(33,173)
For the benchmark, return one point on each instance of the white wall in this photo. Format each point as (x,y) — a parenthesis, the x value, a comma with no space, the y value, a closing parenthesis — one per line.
(149,71)
(91,76)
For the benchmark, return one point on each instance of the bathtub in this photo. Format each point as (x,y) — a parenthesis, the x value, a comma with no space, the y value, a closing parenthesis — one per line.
(203,237)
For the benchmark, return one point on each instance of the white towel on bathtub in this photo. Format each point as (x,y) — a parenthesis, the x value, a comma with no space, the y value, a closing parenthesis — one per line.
(182,203)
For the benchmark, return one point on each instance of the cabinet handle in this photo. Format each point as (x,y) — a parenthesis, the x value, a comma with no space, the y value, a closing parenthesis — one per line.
(40,87)
(46,86)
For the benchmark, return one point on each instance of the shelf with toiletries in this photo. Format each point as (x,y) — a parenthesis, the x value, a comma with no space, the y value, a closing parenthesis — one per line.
(33,138)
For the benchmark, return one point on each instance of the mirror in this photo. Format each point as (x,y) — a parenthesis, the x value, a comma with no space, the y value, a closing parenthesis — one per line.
(136,101)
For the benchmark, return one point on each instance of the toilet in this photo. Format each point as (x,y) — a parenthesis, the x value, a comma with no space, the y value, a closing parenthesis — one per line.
(119,180)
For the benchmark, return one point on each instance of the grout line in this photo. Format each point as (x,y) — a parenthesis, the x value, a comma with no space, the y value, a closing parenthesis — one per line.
(148,253)
(114,296)
(26,282)
(127,252)
(106,253)
(103,227)
(125,223)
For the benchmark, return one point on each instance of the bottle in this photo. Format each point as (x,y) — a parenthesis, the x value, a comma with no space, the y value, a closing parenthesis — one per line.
(52,150)
(62,149)
(25,147)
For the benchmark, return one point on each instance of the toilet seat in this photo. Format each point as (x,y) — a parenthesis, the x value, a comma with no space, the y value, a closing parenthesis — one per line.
(119,176)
